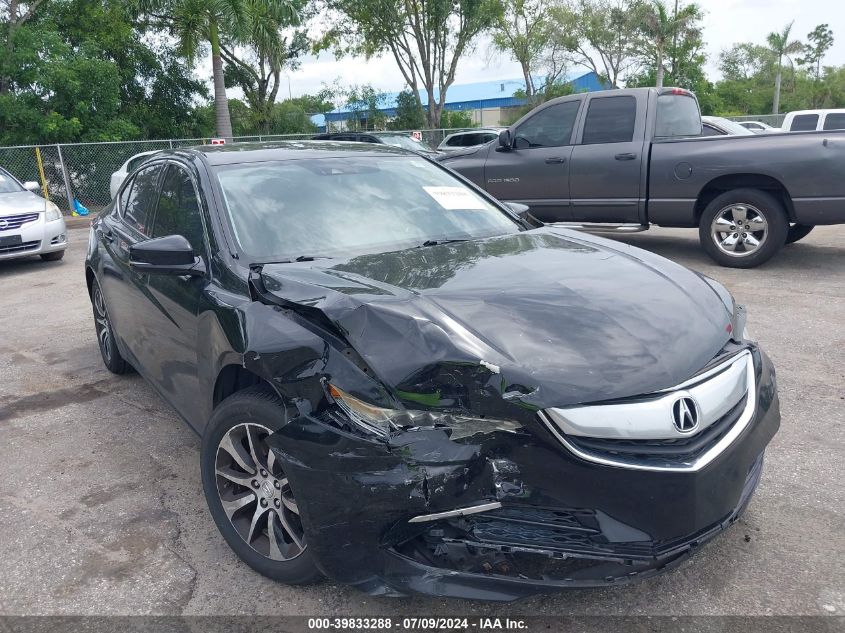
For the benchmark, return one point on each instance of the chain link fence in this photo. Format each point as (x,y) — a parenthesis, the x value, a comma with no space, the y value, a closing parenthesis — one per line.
(83,171)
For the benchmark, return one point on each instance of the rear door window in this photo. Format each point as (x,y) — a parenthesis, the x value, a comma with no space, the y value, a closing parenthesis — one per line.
(610,120)
(834,121)
(804,123)
(139,205)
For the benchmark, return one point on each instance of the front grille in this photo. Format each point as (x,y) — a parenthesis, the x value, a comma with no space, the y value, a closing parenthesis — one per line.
(16,221)
(675,449)
(20,248)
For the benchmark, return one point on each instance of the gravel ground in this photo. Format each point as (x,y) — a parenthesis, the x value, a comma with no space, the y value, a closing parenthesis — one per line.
(102,510)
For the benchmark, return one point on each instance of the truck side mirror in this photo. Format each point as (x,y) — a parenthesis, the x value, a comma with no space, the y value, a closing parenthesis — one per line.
(505,141)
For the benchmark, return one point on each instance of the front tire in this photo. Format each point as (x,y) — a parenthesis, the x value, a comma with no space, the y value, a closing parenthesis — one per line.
(798,232)
(248,493)
(743,228)
(112,359)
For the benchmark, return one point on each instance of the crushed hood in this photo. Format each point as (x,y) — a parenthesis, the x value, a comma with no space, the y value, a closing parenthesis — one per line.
(562,317)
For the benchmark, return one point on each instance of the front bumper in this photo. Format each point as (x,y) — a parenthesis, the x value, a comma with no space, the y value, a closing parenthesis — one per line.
(36,238)
(563,521)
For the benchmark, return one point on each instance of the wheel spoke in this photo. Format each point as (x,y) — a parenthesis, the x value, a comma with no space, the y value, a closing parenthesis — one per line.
(271,460)
(289,530)
(231,506)
(739,213)
(256,519)
(275,550)
(234,476)
(723,224)
(758,223)
(252,442)
(752,241)
(237,453)
(730,242)
(290,504)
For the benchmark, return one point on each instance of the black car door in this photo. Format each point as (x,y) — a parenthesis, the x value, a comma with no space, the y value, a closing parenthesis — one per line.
(123,287)
(173,301)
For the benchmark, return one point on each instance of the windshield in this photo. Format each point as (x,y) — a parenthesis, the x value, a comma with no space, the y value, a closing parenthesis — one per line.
(329,207)
(405,142)
(8,184)
(731,127)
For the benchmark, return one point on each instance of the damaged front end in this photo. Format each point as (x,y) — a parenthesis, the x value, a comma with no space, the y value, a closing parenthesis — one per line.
(424,457)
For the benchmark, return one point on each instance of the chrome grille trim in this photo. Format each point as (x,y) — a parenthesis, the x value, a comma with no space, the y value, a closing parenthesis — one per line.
(16,221)
(650,417)
(691,465)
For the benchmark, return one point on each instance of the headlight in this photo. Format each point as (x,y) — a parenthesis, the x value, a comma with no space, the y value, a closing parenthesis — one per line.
(382,422)
(53,212)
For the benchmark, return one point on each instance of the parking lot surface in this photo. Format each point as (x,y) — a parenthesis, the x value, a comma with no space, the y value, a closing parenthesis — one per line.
(102,511)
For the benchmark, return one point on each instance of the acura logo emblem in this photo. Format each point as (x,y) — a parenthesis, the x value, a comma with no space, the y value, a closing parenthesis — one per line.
(685,414)
(4,224)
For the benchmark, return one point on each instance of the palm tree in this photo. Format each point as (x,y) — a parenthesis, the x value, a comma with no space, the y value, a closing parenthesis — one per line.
(781,47)
(196,23)
(661,31)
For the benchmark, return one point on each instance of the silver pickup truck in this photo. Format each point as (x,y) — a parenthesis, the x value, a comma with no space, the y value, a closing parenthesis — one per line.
(625,159)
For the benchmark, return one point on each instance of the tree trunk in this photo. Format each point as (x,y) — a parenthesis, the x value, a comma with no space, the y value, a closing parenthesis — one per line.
(660,71)
(776,102)
(221,102)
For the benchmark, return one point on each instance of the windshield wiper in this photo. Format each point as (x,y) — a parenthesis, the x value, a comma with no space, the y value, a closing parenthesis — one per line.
(299,258)
(439,242)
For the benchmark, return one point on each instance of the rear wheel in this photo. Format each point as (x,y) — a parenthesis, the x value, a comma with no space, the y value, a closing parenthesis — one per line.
(53,257)
(798,232)
(248,492)
(743,228)
(105,333)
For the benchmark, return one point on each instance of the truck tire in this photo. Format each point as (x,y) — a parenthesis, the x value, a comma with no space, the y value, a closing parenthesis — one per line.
(798,232)
(743,228)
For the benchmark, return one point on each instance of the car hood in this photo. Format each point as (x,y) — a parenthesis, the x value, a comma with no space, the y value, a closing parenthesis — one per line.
(459,153)
(20,202)
(564,317)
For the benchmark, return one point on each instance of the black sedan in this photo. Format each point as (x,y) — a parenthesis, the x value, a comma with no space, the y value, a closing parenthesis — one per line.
(403,385)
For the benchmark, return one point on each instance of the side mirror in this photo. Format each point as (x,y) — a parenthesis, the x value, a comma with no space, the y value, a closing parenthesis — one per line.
(169,255)
(523,212)
(31,185)
(505,140)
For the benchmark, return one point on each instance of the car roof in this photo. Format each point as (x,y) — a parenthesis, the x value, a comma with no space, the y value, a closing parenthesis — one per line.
(287,150)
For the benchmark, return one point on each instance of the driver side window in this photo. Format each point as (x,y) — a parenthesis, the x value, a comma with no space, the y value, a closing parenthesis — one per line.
(550,127)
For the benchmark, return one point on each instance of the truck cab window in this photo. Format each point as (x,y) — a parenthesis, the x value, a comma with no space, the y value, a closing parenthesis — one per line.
(550,127)
(610,120)
(804,123)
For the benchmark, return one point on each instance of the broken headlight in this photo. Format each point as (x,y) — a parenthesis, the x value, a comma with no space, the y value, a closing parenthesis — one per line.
(382,422)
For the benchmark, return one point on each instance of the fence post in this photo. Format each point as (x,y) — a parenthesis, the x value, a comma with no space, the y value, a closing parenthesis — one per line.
(38,160)
(170,141)
(66,178)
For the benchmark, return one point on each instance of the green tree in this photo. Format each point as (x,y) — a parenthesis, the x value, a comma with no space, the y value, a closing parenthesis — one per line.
(667,38)
(524,31)
(781,47)
(819,41)
(259,51)
(409,113)
(452,119)
(426,38)
(197,23)
(600,35)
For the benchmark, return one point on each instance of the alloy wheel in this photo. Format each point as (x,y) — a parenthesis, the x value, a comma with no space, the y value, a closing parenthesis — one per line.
(738,230)
(256,495)
(102,324)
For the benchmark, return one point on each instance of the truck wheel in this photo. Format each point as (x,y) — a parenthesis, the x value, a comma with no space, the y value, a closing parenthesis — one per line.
(798,232)
(743,228)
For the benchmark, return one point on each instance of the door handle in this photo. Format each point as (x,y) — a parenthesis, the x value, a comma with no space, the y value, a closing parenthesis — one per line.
(552,160)
(107,235)
(625,156)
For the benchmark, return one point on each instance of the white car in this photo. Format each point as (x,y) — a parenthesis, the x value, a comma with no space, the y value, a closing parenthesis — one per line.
(758,127)
(29,224)
(127,168)
(809,120)
(467,138)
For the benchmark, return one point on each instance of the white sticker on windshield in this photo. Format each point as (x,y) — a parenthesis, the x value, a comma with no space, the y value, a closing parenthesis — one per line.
(455,198)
